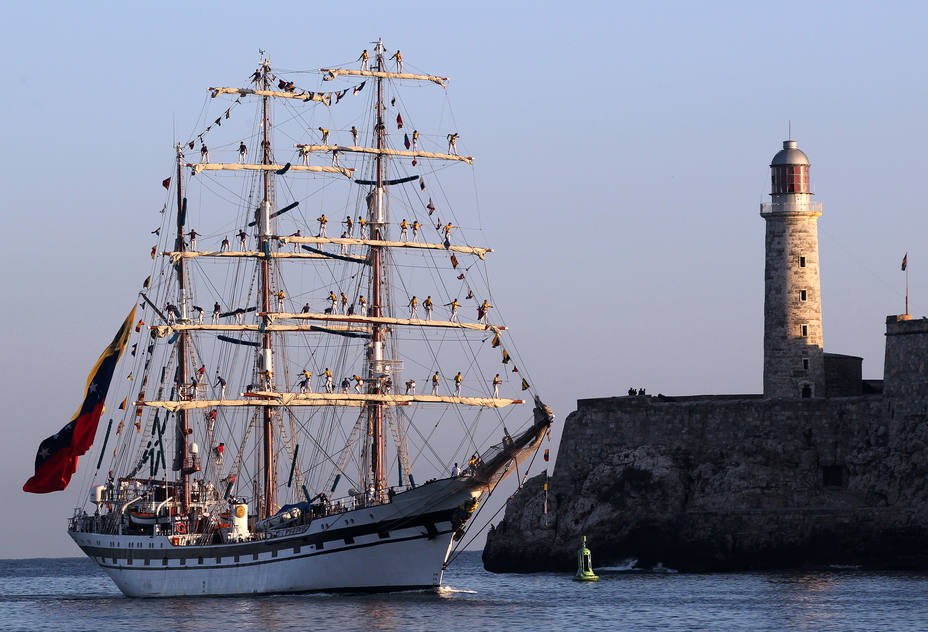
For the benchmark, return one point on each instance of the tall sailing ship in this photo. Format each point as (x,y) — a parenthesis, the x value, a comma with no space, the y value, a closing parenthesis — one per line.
(288,380)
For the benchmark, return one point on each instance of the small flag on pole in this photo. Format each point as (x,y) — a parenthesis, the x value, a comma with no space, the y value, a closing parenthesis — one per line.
(495,341)
(525,385)
(546,459)
(146,283)
(506,358)
(399,121)
(166,183)
(905,261)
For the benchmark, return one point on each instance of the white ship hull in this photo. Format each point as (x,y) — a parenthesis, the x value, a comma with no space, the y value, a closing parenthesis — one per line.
(396,546)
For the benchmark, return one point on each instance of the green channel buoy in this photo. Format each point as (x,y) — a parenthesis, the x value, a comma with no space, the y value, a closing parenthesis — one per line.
(585,565)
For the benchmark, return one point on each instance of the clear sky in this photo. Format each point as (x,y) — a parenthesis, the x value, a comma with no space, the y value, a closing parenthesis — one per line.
(622,151)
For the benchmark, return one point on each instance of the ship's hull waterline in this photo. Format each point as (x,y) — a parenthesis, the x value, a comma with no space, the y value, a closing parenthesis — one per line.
(379,548)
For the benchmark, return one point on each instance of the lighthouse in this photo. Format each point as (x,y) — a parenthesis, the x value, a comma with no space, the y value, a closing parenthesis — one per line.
(794,362)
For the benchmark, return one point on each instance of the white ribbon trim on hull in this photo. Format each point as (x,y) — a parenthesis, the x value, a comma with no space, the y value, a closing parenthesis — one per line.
(471,250)
(315,96)
(386,321)
(269,398)
(385,152)
(335,72)
(233,166)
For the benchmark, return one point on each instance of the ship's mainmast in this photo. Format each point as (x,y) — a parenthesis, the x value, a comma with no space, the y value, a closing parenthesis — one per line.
(265,365)
(180,381)
(376,370)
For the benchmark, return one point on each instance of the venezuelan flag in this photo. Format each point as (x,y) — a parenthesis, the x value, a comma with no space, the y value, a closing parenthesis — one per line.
(56,459)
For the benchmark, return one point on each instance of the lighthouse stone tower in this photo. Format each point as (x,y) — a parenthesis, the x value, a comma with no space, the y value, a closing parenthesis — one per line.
(794,362)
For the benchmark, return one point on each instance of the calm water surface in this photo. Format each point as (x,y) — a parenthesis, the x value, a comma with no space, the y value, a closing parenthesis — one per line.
(73,594)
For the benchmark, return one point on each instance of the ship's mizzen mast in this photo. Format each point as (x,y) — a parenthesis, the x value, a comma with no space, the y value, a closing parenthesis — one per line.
(180,381)
(376,369)
(265,364)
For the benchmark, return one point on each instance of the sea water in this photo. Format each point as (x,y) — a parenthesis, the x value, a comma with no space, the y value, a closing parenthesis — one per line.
(74,594)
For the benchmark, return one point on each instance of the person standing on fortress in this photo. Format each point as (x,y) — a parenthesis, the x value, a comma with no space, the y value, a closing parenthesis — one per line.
(242,152)
(323,220)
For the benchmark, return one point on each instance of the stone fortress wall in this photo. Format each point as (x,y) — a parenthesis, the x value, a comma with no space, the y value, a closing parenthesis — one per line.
(737,482)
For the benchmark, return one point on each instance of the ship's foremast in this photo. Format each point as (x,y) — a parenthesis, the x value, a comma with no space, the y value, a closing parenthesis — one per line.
(266,363)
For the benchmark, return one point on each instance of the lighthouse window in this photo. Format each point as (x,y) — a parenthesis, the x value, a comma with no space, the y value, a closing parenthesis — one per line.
(802,262)
(804,330)
(802,295)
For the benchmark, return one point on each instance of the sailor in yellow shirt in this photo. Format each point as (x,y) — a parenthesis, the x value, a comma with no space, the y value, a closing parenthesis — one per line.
(328,380)
(415,230)
(404,230)
(447,228)
(415,140)
(452,146)
(361,224)
(362,302)
(334,300)
(357,382)
(267,378)
(496,382)
(349,224)
(344,303)
(454,310)
(354,135)
(398,56)
(435,383)
(306,382)
(457,383)
(363,59)
(323,220)
(280,300)
(427,304)
(482,311)
(325,135)
(413,306)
